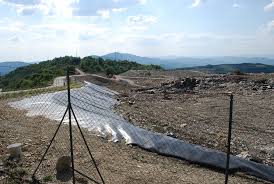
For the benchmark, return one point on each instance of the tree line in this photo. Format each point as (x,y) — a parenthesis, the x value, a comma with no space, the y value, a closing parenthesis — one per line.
(43,73)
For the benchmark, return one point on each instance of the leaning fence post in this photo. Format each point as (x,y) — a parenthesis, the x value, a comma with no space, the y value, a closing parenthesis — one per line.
(229,138)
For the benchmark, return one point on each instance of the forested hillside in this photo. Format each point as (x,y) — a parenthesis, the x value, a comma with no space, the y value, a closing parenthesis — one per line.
(94,65)
(43,73)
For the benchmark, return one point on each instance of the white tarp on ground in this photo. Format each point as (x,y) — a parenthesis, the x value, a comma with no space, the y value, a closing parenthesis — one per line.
(93,106)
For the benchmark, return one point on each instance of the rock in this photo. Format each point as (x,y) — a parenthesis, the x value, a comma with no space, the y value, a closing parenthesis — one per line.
(256,159)
(1,167)
(28,155)
(131,102)
(15,150)
(171,134)
(151,91)
(244,155)
(63,164)
(271,154)
(167,97)
(64,171)
(183,125)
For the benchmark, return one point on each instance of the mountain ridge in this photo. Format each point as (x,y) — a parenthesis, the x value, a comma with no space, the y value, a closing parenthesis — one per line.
(234,68)
(182,62)
(8,66)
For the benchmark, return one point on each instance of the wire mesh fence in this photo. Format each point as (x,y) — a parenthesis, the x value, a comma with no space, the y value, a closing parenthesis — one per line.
(37,116)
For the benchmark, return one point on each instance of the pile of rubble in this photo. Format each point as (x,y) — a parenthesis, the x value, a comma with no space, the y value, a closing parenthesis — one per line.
(227,82)
(235,82)
(175,86)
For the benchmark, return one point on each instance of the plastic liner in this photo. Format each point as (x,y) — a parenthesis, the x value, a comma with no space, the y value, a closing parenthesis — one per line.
(93,106)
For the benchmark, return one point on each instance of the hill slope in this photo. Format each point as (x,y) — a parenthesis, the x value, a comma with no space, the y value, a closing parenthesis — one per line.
(181,62)
(6,67)
(43,73)
(229,68)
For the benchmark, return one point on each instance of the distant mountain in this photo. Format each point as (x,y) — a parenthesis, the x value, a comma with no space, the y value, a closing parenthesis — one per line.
(130,57)
(230,68)
(6,67)
(172,62)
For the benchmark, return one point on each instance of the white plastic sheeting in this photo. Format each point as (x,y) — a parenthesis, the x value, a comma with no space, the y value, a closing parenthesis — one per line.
(93,106)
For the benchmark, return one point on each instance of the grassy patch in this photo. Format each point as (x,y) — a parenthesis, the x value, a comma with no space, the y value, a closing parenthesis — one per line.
(48,179)
(31,92)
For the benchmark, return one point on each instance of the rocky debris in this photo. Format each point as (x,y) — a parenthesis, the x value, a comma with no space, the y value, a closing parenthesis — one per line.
(183,125)
(170,134)
(131,102)
(175,86)
(191,107)
(257,159)
(244,155)
(1,167)
(223,82)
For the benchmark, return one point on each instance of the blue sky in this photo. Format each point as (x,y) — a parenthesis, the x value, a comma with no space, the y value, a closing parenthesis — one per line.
(34,30)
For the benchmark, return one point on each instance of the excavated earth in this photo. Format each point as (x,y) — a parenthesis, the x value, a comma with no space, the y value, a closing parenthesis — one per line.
(195,107)
(197,115)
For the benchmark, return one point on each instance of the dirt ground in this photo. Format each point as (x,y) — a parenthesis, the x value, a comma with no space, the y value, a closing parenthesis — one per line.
(118,163)
(201,115)
(198,117)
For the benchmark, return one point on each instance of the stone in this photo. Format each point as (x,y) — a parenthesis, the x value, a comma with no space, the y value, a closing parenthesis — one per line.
(63,168)
(171,134)
(271,153)
(256,159)
(131,102)
(244,155)
(15,150)
(183,125)
(63,164)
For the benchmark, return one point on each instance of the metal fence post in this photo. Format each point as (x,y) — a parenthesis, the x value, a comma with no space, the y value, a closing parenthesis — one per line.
(70,128)
(229,138)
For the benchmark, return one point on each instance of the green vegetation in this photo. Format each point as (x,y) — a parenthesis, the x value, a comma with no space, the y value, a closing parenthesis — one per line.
(38,75)
(31,92)
(110,67)
(42,74)
(48,178)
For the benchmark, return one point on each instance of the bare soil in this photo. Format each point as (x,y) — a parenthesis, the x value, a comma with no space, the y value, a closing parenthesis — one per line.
(201,116)
(117,162)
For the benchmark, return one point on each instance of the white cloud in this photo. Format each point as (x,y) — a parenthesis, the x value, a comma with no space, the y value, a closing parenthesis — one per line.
(105,14)
(90,8)
(141,19)
(26,11)
(67,8)
(59,8)
(269,28)
(236,5)
(269,7)
(22,2)
(142,2)
(196,3)
(46,7)
(13,26)
(119,10)
(15,39)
